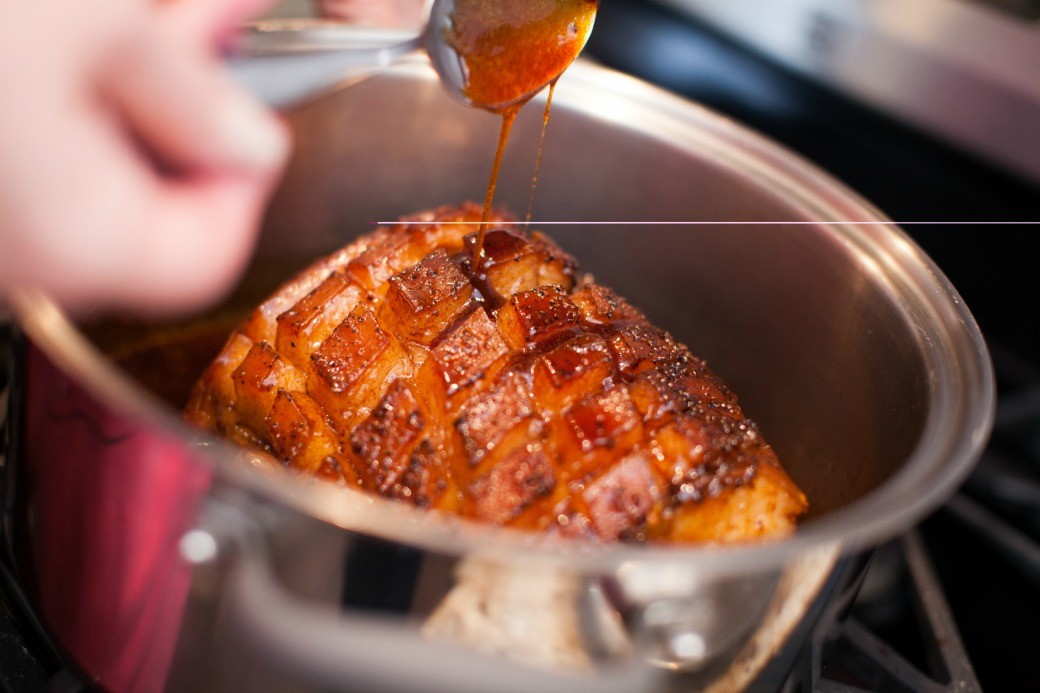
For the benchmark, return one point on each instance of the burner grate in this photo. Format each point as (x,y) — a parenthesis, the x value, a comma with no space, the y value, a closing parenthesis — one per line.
(866,646)
(980,553)
(847,656)
(1001,499)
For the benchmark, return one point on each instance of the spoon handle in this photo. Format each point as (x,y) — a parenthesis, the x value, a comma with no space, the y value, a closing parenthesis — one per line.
(287,63)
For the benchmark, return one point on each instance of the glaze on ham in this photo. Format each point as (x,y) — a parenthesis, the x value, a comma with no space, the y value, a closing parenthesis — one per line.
(514,391)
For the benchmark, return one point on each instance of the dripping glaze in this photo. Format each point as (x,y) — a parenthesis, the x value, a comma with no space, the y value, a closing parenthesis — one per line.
(509,51)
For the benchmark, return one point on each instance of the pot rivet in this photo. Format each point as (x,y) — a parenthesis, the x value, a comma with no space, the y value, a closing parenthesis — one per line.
(688,647)
(198,546)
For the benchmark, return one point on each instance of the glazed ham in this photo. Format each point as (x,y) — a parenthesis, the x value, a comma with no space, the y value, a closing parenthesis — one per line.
(514,391)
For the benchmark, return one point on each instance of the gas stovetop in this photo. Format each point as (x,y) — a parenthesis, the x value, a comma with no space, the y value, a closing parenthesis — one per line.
(952,605)
(911,174)
(964,70)
(984,542)
(943,608)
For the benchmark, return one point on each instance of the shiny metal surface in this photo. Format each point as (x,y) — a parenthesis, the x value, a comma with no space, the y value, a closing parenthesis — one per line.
(963,71)
(837,308)
(284,62)
(850,349)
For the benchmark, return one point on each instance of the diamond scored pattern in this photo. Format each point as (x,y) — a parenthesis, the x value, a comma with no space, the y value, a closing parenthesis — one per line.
(515,392)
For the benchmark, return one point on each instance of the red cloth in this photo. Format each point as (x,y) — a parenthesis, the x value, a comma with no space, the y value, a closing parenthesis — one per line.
(110,496)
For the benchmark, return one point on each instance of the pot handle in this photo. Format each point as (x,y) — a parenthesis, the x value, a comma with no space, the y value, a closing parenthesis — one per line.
(371,653)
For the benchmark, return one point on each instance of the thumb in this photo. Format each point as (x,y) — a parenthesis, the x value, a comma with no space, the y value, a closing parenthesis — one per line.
(182,107)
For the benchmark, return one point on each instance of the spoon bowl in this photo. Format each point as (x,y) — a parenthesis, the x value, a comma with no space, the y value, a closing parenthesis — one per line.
(517,48)
(496,54)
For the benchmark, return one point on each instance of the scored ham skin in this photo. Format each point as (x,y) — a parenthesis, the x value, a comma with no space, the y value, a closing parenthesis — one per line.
(518,393)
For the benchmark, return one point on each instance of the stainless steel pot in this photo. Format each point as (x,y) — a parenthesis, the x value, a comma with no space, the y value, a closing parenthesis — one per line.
(159,558)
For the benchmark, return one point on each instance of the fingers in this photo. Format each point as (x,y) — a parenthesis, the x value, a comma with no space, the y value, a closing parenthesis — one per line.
(385,13)
(210,155)
(134,172)
(199,237)
(170,248)
(182,107)
(213,23)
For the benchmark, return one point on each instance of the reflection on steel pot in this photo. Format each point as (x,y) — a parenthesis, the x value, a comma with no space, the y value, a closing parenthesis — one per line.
(161,558)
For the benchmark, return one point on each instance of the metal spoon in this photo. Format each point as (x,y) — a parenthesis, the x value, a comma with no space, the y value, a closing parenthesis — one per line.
(286,61)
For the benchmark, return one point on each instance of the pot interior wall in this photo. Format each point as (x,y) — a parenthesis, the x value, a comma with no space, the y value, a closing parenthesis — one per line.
(820,355)
(817,349)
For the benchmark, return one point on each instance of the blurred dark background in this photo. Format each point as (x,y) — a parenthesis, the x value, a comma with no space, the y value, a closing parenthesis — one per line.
(828,101)
(913,175)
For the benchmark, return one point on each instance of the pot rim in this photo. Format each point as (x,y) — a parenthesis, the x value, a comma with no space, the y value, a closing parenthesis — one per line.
(961,389)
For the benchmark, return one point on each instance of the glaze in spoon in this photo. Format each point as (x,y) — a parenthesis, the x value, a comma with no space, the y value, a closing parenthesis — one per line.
(491,54)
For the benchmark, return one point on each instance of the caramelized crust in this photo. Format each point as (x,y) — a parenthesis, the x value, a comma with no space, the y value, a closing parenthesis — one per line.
(538,317)
(464,355)
(300,435)
(422,301)
(512,485)
(307,324)
(503,390)
(487,417)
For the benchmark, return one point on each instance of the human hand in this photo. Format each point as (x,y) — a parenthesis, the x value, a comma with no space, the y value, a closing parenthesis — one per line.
(133,172)
(402,14)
